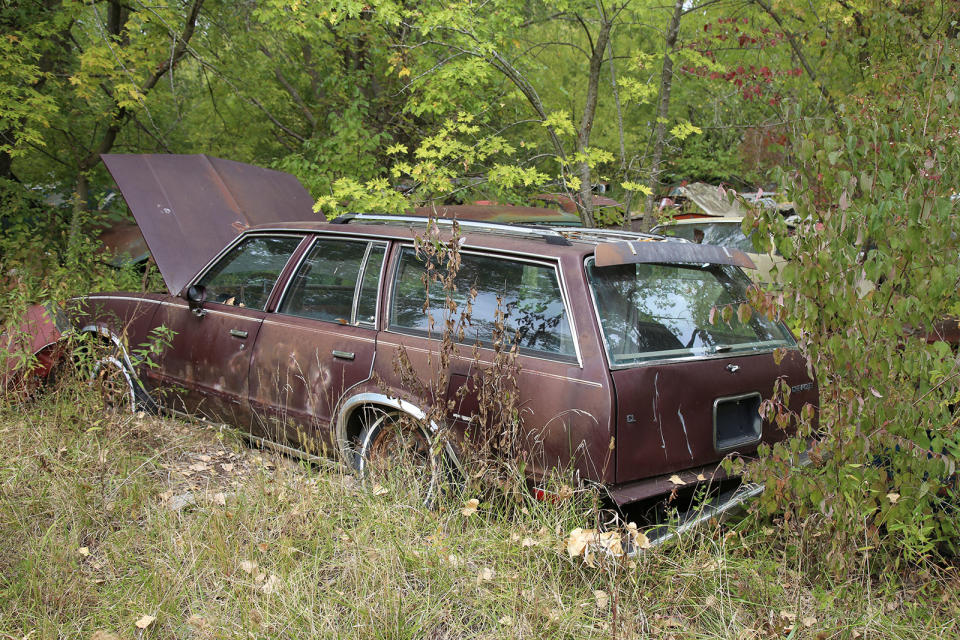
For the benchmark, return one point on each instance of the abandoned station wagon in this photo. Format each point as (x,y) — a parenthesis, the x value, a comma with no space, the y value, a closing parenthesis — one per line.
(290,329)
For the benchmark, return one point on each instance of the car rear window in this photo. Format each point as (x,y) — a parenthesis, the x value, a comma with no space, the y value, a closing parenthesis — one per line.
(662,311)
(528,295)
(724,234)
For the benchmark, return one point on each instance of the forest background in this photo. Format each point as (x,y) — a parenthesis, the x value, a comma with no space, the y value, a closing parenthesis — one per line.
(849,108)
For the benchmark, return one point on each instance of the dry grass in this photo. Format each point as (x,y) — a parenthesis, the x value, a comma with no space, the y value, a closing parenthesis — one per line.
(108,518)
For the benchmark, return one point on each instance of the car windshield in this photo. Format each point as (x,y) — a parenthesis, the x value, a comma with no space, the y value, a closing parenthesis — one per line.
(662,311)
(724,234)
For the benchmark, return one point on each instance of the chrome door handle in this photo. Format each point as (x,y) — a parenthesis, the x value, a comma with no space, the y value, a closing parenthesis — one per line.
(237,333)
(343,355)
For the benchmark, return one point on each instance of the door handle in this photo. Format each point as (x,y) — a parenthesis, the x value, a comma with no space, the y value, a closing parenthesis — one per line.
(343,355)
(237,333)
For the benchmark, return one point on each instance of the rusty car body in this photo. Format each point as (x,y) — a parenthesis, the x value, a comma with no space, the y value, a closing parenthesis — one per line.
(288,328)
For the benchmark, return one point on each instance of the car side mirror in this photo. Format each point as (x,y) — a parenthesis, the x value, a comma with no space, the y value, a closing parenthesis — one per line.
(196,296)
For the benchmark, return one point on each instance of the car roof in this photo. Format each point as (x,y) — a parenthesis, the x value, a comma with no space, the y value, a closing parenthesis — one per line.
(611,246)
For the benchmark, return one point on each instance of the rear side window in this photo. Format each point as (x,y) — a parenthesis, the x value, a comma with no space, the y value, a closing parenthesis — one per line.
(527,294)
(246,275)
(337,282)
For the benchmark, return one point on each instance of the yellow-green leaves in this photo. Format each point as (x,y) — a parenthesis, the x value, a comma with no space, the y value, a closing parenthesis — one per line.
(637,187)
(684,129)
(561,123)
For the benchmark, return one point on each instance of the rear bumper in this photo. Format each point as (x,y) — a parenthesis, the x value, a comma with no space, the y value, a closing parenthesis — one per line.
(718,509)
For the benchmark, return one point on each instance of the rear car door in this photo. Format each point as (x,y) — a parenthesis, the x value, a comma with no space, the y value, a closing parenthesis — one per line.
(206,367)
(320,342)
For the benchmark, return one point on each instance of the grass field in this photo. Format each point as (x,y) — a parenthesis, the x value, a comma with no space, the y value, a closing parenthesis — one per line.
(126,526)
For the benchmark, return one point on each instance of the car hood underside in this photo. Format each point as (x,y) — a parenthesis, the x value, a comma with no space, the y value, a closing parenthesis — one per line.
(189,207)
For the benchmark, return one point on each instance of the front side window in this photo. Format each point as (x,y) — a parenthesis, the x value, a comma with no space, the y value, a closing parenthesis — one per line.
(662,311)
(246,275)
(527,294)
(335,274)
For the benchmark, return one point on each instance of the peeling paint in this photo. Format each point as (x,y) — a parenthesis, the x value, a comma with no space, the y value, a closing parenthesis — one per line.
(656,410)
(686,437)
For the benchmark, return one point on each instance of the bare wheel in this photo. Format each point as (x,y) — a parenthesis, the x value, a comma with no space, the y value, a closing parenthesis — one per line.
(117,385)
(397,452)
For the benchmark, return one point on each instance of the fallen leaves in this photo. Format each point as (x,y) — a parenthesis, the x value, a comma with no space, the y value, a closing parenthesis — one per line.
(145,621)
(602,598)
(270,585)
(677,480)
(486,575)
(470,507)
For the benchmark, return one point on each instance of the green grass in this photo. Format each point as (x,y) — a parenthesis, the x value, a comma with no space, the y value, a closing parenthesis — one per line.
(274,548)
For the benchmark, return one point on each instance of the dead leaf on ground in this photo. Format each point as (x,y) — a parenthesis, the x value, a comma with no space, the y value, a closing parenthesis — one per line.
(470,507)
(271,585)
(84,551)
(486,575)
(809,621)
(145,622)
(248,566)
(602,598)
(893,497)
(104,635)
(677,480)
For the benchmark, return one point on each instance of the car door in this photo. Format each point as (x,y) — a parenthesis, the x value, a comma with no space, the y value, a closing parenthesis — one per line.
(205,370)
(320,342)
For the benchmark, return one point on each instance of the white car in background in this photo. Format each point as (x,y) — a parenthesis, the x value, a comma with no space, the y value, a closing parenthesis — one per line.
(725,232)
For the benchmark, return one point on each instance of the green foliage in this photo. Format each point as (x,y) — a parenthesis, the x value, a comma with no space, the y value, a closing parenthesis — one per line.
(872,269)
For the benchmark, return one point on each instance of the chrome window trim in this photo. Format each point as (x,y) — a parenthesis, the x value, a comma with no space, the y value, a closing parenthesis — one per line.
(657,361)
(527,353)
(383,263)
(353,312)
(356,286)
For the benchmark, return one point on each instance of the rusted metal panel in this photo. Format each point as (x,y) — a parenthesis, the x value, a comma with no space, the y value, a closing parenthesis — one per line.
(665,412)
(124,243)
(37,332)
(190,206)
(569,205)
(650,251)
(504,214)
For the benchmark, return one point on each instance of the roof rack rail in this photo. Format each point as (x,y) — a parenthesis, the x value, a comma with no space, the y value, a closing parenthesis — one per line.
(550,235)
(607,235)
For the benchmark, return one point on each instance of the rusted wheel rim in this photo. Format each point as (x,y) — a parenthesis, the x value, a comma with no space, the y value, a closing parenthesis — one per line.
(114,384)
(399,441)
(398,452)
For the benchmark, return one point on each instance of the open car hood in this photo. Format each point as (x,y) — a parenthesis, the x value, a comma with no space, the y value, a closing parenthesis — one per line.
(189,207)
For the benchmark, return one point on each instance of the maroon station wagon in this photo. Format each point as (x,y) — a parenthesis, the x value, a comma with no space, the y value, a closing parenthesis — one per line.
(289,329)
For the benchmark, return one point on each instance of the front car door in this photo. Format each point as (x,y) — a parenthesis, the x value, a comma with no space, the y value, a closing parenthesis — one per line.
(206,367)
(320,342)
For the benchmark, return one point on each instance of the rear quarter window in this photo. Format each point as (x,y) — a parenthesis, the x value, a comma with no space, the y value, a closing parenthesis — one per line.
(527,294)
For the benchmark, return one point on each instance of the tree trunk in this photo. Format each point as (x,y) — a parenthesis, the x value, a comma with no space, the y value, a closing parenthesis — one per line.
(586,122)
(663,108)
